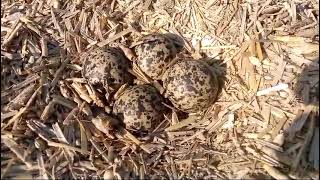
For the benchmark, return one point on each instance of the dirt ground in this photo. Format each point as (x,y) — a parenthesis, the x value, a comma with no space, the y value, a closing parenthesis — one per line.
(264,124)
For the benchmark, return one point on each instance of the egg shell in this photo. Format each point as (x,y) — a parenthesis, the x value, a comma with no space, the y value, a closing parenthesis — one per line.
(106,67)
(154,54)
(140,107)
(190,85)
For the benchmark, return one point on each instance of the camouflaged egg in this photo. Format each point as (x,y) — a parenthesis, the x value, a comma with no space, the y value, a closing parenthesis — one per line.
(154,54)
(106,67)
(190,85)
(140,107)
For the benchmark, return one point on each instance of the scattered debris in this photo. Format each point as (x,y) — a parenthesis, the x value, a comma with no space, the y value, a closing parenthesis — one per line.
(262,125)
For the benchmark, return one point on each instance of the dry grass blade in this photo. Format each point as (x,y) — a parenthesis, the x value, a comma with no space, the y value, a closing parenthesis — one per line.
(314,155)
(7,115)
(298,124)
(104,124)
(278,127)
(58,132)
(11,35)
(127,134)
(263,158)
(66,146)
(73,112)
(226,22)
(22,98)
(63,101)
(7,168)
(182,123)
(42,169)
(120,91)
(215,124)
(26,82)
(14,147)
(84,135)
(139,74)
(93,94)
(265,55)
(16,117)
(82,92)
(48,110)
(306,142)
(274,172)
(41,129)
(192,137)
(44,47)
(115,37)
(100,151)
(272,89)
(59,72)
(56,24)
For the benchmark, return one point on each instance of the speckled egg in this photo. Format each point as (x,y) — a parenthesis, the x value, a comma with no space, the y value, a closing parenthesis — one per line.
(140,107)
(106,67)
(190,85)
(154,54)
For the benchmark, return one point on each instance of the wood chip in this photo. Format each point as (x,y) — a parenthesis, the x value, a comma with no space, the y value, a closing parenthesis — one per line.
(313,154)
(265,54)
(305,144)
(20,153)
(115,37)
(16,117)
(182,123)
(274,172)
(278,87)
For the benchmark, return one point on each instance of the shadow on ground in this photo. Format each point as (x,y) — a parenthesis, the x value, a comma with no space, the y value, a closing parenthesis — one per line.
(301,144)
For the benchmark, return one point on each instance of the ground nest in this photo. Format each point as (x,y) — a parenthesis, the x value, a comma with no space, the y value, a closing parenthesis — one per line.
(263,125)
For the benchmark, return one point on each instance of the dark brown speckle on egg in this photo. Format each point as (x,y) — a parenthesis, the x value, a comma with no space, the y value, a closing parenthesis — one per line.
(141,106)
(190,89)
(106,66)
(154,54)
